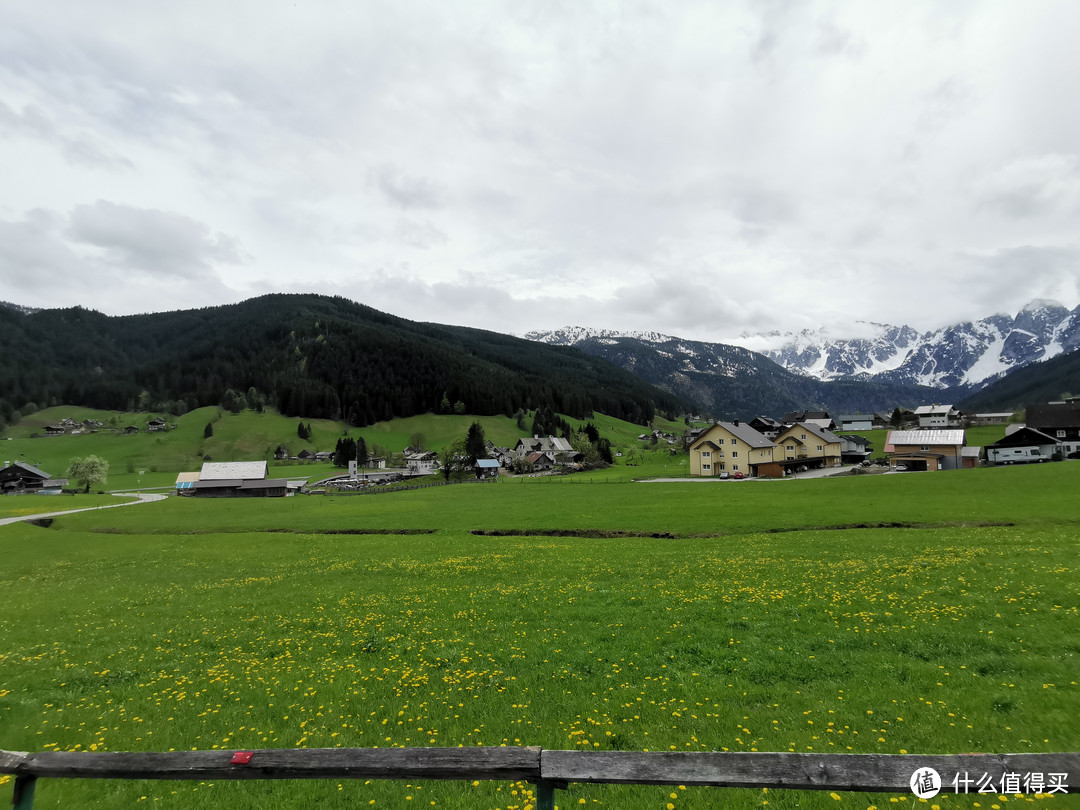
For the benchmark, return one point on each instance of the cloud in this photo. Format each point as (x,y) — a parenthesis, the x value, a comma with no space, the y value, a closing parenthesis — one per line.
(1034,186)
(112,258)
(77,148)
(405,191)
(151,242)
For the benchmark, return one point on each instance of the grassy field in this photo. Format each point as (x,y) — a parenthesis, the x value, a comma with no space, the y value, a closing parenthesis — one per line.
(749,626)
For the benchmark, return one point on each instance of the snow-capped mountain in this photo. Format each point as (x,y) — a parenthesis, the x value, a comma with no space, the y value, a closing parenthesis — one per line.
(726,381)
(966,354)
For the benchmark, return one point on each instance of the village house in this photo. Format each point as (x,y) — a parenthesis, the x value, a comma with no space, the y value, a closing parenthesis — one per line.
(731,447)
(422,463)
(806,443)
(854,449)
(818,418)
(156,424)
(558,449)
(937,416)
(766,426)
(1060,420)
(19,476)
(926,450)
(856,421)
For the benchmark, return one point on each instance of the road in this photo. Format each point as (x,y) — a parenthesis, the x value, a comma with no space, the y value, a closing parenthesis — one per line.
(139,498)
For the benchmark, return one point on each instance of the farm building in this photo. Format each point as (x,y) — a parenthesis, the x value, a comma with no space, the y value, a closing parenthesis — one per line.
(422,463)
(925,450)
(854,449)
(1059,420)
(232,479)
(20,476)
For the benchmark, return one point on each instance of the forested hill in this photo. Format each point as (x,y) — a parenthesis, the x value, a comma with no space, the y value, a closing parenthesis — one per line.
(309,355)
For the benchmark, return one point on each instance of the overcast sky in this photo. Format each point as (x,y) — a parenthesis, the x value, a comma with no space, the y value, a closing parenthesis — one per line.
(699,169)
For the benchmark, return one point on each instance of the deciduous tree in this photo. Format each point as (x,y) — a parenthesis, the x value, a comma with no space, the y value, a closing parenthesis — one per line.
(89,471)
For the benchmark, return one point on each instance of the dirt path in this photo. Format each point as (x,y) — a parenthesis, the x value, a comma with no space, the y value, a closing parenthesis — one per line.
(139,498)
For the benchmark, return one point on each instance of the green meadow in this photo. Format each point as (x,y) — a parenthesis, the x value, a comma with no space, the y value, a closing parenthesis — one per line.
(915,613)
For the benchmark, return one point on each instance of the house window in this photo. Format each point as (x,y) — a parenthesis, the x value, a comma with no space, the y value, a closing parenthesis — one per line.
(803,437)
(735,454)
(791,448)
(706,467)
(734,441)
(925,448)
(1061,434)
(721,465)
(819,447)
(734,466)
(705,454)
(719,441)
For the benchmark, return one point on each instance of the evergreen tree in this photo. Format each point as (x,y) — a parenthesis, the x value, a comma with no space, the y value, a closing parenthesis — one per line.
(303,432)
(208,431)
(474,443)
(361,452)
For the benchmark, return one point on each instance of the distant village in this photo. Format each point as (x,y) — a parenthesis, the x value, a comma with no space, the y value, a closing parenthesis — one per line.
(928,438)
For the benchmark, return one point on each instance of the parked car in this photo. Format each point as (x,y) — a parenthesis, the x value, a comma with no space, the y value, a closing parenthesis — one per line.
(738,476)
(725,474)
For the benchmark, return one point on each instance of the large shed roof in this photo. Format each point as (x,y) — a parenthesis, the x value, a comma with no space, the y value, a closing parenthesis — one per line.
(229,470)
(927,437)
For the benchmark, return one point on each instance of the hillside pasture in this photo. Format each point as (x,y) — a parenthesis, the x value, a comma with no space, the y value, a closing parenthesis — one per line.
(235,624)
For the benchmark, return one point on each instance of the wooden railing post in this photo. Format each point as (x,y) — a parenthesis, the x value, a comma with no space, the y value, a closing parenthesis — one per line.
(545,793)
(24,792)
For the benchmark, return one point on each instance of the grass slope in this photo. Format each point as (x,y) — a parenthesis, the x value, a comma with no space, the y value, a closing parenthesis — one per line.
(186,624)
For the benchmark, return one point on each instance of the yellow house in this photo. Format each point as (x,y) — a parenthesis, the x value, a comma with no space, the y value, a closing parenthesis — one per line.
(730,447)
(807,443)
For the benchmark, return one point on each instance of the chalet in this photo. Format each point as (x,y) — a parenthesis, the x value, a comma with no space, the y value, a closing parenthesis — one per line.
(324,455)
(376,463)
(54,430)
(539,461)
(1059,420)
(729,447)
(856,421)
(766,426)
(486,468)
(130,430)
(306,455)
(19,476)
(422,463)
(806,443)
(559,449)
(1024,446)
(854,449)
(818,418)
(937,416)
(925,450)
(156,424)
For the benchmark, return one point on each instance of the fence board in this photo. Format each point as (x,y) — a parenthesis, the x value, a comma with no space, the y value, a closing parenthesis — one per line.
(278,763)
(885,773)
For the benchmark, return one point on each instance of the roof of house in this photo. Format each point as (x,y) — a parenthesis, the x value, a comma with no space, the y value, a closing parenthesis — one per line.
(970,452)
(856,417)
(927,410)
(487,463)
(742,432)
(187,478)
(227,470)
(532,458)
(29,468)
(859,440)
(1024,436)
(1053,416)
(814,428)
(927,437)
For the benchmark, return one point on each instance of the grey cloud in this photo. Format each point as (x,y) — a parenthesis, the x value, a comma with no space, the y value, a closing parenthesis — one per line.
(1032,187)
(151,241)
(78,148)
(421,235)
(405,191)
(42,268)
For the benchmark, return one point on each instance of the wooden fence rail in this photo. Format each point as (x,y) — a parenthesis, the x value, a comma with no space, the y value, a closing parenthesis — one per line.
(550,770)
